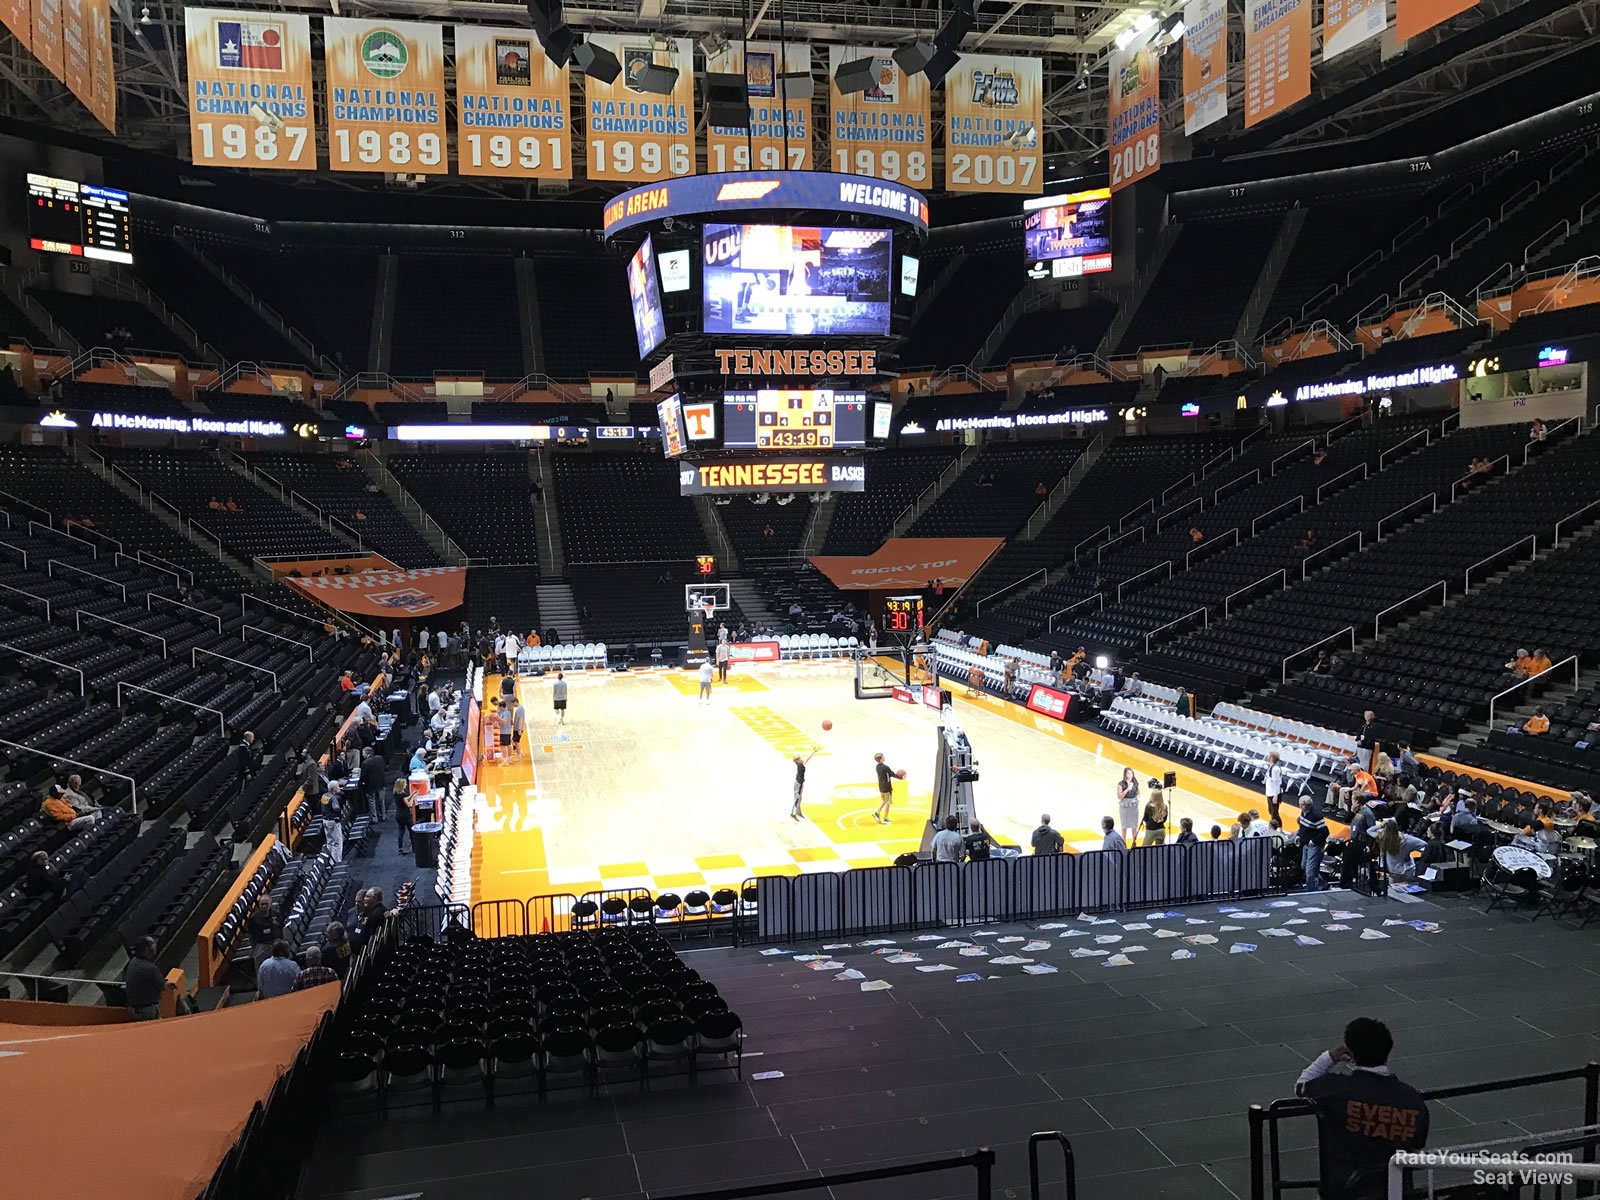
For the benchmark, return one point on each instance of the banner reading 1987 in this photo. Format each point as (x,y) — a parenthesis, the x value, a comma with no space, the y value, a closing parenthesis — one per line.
(513,106)
(242,62)
(883,131)
(385,95)
(992,110)
(639,136)
(780,127)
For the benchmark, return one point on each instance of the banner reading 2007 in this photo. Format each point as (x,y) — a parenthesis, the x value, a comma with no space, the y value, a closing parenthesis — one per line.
(780,127)
(513,117)
(993,107)
(640,136)
(240,62)
(883,131)
(385,95)
(1133,108)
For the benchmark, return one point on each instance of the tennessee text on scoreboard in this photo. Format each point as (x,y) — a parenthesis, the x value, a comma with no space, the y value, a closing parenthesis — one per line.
(1133,108)
(772,475)
(780,127)
(513,117)
(992,110)
(386,95)
(882,131)
(1205,63)
(243,65)
(640,135)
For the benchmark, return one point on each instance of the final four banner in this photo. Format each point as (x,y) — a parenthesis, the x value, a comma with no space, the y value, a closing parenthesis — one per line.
(883,131)
(513,106)
(240,61)
(762,63)
(386,96)
(1348,23)
(634,136)
(1133,109)
(48,45)
(1205,63)
(1277,57)
(993,108)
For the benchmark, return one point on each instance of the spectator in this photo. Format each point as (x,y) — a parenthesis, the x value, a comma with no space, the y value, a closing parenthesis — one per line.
(1131,686)
(56,807)
(947,844)
(1186,834)
(1113,839)
(1046,840)
(314,973)
(1276,835)
(143,984)
(336,951)
(1538,663)
(308,775)
(277,975)
(1195,535)
(250,758)
(264,928)
(419,758)
(1313,838)
(1540,833)
(1396,849)
(1216,833)
(1518,663)
(977,842)
(1309,542)
(76,796)
(1465,824)
(1406,762)
(1272,783)
(1367,738)
(1254,826)
(41,879)
(1536,432)
(402,817)
(333,820)
(374,778)
(368,919)
(1154,820)
(347,683)
(1537,724)
(1128,804)
(1367,1113)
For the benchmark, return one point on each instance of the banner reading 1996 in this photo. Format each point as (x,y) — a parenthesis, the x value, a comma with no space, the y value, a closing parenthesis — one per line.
(513,106)
(385,95)
(883,131)
(991,102)
(1133,108)
(780,131)
(640,136)
(242,64)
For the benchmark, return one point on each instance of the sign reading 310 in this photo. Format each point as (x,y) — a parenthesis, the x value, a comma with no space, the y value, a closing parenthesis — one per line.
(386,96)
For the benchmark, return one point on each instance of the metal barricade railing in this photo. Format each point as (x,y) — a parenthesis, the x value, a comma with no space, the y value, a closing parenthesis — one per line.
(980,1162)
(194,661)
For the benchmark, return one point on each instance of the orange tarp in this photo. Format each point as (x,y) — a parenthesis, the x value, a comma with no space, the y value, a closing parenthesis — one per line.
(327,566)
(418,593)
(910,564)
(169,1098)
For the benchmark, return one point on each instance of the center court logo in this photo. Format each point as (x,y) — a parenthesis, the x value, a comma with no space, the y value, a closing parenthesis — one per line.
(404,600)
(384,54)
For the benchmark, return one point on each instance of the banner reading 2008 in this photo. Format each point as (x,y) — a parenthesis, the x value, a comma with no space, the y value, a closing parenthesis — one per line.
(993,108)
(640,136)
(780,127)
(385,95)
(1133,108)
(513,117)
(883,131)
(241,61)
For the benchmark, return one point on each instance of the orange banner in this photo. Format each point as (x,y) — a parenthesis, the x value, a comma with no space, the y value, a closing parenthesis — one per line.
(780,127)
(910,564)
(243,64)
(1133,111)
(513,106)
(1277,57)
(1205,63)
(47,45)
(85,56)
(637,136)
(993,109)
(14,15)
(883,131)
(1412,17)
(1348,23)
(417,593)
(385,96)
(329,566)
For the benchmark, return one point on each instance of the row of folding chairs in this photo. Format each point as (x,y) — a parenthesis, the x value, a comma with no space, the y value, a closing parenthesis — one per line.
(573,655)
(1214,743)
(1317,736)
(814,645)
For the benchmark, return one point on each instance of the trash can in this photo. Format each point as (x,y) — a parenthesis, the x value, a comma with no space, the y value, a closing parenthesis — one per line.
(425,843)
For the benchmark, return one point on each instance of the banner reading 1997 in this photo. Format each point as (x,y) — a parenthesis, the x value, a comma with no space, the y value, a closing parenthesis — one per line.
(883,131)
(992,110)
(386,95)
(638,136)
(242,62)
(513,117)
(780,127)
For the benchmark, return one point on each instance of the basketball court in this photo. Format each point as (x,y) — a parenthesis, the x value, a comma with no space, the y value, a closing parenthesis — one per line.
(645,786)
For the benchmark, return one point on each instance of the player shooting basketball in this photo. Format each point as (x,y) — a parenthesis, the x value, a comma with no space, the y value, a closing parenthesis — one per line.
(800,783)
(886,777)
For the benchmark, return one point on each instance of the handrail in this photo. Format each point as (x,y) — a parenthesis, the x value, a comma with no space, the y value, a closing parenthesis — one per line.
(1191,477)
(1161,521)
(1531,539)
(30,596)
(56,562)
(49,517)
(17,550)
(1258,431)
(1350,629)
(116,469)
(322,516)
(199,650)
(1227,455)
(82,688)
(1527,448)
(1522,683)
(80,613)
(146,559)
(222,722)
(1362,467)
(1253,475)
(1327,437)
(262,473)
(978,608)
(77,543)
(1305,563)
(1100,551)
(1067,1157)
(1444,597)
(306,646)
(1456,485)
(1099,597)
(1209,545)
(1403,443)
(1141,575)
(1272,467)
(1079,468)
(1250,586)
(210,616)
(349,529)
(133,784)
(195,525)
(1420,500)
(1205,616)
(981,1160)
(1090,540)
(76,531)
(116,561)
(1255,522)
(1570,516)
(157,498)
(1149,504)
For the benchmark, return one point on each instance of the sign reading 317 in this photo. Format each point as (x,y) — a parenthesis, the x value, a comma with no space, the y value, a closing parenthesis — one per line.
(385,96)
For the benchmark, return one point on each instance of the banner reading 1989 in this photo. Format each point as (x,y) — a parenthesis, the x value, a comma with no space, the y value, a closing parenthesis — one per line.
(780,127)
(513,117)
(639,136)
(992,109)
(240,62)
(385,95)
(883,131)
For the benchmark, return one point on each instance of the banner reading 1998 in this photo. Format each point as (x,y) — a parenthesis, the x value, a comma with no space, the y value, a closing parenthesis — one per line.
(639,136)
(385,95)
(513,117)
(242,62)
(883,131)
(780,127)
(992,110)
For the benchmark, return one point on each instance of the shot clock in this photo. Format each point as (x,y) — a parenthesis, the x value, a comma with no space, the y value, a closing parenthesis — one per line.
(903,615)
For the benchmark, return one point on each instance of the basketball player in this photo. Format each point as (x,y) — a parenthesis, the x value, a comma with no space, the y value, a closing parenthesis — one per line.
(724,653)
(885,790)
(559,695)
(519,726)
(799,785)
(705,681)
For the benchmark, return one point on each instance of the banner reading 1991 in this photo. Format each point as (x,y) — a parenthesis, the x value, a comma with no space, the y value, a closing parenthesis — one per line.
(992,110)
(513,118)
(780,127)
(883,131)
(639,136)
(386,96)
(242,62)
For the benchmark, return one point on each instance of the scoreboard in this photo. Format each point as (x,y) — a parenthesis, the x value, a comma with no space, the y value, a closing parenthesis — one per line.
(794,419)
(903,614)
(65,217)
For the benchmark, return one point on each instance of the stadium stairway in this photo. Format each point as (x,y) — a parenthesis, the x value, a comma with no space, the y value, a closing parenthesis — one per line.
(747,598)
(558,609)
(416,516)
(939,487)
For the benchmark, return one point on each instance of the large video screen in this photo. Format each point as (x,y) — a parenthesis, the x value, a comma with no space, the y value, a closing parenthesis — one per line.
(804,281)
(794,419)
(644,293)
(669,413)
(1067,236)
(80,219)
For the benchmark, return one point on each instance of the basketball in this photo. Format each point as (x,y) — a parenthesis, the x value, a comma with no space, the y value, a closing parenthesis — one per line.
(900,774)
(827,725)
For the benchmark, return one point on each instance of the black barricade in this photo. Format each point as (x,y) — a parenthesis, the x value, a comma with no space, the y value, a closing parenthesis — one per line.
(499,918)
(936,895)
(550,914)
(432,922)
(877,899)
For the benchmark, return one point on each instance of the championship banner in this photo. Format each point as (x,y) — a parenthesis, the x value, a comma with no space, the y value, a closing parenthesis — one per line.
(385,95)
(1277,57)
(774,150)
(993,109)
(1348,23)
(909,564)
(75,46)
(47,40)
(640,136)
(388,593)
(1412,17)
(883,131)
(513,106)
(1133,108)
(1205,64)
(86,66)
(241,62)
(15,16)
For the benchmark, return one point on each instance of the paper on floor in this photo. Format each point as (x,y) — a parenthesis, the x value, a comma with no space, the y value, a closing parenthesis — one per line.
(876,985)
